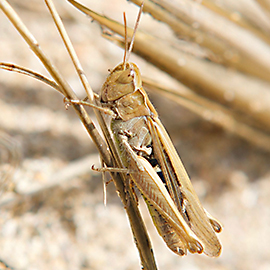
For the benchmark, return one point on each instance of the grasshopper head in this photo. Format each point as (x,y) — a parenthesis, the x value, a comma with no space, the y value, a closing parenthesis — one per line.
(123,92)
(124,79)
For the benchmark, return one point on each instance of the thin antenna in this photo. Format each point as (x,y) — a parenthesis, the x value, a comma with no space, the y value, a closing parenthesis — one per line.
(126,41)
(128,52)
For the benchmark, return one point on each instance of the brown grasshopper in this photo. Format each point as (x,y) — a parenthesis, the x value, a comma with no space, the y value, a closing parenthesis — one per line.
(153,164)
(151,161)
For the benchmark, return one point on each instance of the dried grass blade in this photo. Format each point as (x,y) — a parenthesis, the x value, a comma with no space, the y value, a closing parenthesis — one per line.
(195,22)
(212,112)
(54,72)
(201,75)
(251,16)
(30,73)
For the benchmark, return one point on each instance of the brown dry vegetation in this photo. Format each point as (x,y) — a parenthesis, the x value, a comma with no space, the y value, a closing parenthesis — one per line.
(58,219)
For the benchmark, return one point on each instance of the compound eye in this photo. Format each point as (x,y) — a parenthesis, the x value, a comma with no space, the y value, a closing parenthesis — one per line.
(126,77)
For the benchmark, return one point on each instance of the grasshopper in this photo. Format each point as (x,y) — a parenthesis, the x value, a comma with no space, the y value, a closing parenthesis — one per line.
(153,164)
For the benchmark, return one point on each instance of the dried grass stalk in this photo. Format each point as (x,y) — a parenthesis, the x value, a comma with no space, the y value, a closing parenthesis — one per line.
(126,194)
(234,73)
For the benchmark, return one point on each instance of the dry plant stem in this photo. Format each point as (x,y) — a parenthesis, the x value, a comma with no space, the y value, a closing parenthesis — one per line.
(127,196)
(71,51)
(182,18)
(255,21)
(212,112)
(30,73)
(137,225)
(66,89)
(200,75)
(4,266)
(253,11)
(265,4)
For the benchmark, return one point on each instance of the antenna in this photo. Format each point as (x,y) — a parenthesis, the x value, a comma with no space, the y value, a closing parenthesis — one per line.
(126,41)
(128,50)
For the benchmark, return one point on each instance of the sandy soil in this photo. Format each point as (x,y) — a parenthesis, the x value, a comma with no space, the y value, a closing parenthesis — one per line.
(66,225)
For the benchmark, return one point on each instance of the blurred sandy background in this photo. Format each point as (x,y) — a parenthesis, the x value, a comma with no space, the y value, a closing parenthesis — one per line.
(68,226)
